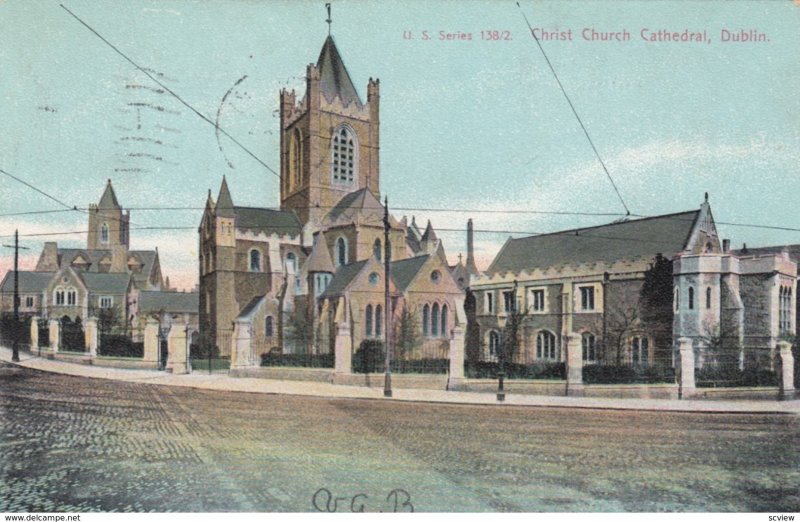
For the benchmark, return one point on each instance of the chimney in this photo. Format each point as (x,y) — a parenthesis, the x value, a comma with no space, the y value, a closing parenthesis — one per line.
(471,268)
(726,246)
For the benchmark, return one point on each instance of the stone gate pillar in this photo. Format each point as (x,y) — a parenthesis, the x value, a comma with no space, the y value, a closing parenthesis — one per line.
(343,347)
(34,332)
(178,357)
(151,345)
(574,365)
(457,346)
(90,336)
(786,375)
(54,327)
(686,351)
(242,345)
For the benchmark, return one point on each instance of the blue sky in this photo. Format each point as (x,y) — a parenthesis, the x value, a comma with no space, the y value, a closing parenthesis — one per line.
(466,124)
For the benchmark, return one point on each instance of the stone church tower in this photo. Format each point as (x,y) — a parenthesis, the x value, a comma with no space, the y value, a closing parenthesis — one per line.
(329,140)
(108,224)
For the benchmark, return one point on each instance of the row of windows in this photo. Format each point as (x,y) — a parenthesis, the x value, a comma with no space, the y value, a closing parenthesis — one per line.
(691,299)
(344,158)
(373,328)
(536,300)
(434,321)
(63,296)
(546,347)
(257,266)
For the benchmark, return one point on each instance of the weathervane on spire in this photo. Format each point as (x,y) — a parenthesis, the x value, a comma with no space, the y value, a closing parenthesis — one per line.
(329,20)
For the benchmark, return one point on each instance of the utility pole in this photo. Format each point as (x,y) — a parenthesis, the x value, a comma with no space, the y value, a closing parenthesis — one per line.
(387,383)
(15,344)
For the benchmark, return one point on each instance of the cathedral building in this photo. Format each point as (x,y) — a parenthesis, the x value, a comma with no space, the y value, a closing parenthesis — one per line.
(292,274)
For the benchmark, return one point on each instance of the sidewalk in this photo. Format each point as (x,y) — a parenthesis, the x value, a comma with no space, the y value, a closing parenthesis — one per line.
(318,389)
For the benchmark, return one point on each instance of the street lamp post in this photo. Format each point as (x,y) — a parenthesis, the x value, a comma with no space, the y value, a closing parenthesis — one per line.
(387,382)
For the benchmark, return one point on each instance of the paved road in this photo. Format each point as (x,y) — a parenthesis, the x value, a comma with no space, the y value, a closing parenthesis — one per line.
(77,444)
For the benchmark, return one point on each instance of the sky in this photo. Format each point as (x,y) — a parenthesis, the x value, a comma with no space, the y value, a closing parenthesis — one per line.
(478,126)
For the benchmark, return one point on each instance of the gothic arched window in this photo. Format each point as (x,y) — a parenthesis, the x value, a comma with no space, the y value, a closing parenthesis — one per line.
(291,263)
(494,344)
(378,320)
(691,298)
(435,320)
(368,320)
(296,160)
(341,252)
(255,261)
(708,297)
(426,314)
(444,321)
(104,233)
(376,249)
(344,160)
(268,326)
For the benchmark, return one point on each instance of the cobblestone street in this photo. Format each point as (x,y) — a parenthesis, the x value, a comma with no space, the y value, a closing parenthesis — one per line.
(79,444)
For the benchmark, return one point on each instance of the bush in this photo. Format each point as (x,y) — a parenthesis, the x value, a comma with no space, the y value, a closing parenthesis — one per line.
(302,360)
(369,358)
(610,374)
(112,345)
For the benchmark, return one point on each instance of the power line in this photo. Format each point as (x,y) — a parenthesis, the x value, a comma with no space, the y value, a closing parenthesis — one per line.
(575,112)
(43,193)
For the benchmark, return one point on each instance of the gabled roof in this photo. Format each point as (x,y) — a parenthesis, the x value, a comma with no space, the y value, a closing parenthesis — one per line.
(360,206)
(636,238)
(333,77)
(108,200)
(29,282)
(269,221)
(429,234)
(224,206)
(404,271)
(105,283)
(320,259)
(252,305)
(170,302)
(343,277)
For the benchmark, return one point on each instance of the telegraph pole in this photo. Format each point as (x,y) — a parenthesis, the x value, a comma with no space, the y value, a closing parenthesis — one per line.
(387,383)
(15,344)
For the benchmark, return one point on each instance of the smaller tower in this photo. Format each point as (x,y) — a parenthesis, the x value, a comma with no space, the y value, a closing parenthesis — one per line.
(471,267)
(108,224)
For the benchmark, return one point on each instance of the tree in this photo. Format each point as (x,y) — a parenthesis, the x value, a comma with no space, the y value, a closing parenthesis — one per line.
(509,336)
(656,301)
(621,323)
(407,337)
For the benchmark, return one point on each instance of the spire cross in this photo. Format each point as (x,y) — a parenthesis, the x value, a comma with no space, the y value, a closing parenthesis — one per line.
(329,20)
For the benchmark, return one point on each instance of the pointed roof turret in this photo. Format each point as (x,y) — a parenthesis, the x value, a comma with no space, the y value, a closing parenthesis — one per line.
(320,259)
(224,206)
(429,234)
(109,199)
(333,77)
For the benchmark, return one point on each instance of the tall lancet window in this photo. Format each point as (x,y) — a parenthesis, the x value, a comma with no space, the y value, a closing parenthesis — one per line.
(344,160)
(104,233)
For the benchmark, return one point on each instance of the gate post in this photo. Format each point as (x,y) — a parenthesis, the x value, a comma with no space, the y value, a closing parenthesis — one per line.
(90,337)
(177,359)
(343,347)
(151,344)
(54,326)
(241,352)
(687,388)
(574,365)
(34,332)
(456,379)
(786,375)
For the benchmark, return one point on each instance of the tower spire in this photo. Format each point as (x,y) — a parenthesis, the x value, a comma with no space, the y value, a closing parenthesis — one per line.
(329,19)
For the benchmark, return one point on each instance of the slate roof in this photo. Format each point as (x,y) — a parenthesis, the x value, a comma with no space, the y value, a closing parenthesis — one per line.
(148,258)
(333,77)
(248,309)
(404,271)
(343,277)
(29,282)
(108,200)
(429,234)
(224,206)
(320,259)
(281,222)
(105,283)
(176,302)
(66,255)
(635,238)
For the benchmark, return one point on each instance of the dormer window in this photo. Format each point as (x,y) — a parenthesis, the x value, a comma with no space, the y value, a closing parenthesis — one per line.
(344,155)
